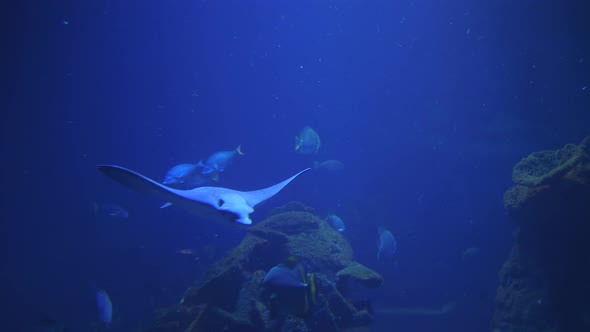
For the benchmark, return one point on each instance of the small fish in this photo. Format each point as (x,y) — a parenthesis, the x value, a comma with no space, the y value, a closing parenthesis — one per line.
(287,289)
(387,245)
(111,210)
(307,142)
(219,161)
(105,307)
(336,223)
(186,176)
(179,173)
(470,253)
(185,251)
(329,165)
(165,205)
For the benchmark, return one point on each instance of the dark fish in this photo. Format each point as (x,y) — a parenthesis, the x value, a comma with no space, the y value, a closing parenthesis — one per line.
(287,289)
(336,223)
(111,210)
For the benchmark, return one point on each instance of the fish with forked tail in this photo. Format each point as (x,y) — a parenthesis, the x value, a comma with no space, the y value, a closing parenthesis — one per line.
(218,162)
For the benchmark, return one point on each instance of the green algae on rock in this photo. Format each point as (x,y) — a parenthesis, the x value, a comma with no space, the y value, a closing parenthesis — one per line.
(544,166)
(292,206)
(360,274)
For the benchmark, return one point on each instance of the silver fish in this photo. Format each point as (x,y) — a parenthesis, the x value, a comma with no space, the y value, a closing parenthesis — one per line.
(387,245)
(307,142)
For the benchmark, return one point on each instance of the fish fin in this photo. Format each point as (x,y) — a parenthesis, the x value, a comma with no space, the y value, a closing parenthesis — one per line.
(139,183)
(165,205)
(312,288)
(215,176)
(207,202)
(297,143)
(258,196)
(239,151)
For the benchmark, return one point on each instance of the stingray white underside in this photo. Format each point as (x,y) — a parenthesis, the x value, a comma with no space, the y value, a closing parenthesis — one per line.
(207,202)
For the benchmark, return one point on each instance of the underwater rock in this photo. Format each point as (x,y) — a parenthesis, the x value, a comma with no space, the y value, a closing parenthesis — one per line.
(270,235)
(211,318)
(292,206)
(344,312)
(174,319)
(541,175)
(290,223)
(521,297)
(544,166)
(360,274)
(543,283)
(228,297)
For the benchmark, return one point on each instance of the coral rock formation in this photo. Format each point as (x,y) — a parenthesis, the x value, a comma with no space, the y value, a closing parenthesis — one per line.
(544,284)
(228,298)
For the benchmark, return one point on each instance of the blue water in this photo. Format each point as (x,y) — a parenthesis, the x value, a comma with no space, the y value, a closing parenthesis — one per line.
(427,103)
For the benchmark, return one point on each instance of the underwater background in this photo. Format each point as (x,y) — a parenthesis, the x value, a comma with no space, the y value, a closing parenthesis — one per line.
(427,104)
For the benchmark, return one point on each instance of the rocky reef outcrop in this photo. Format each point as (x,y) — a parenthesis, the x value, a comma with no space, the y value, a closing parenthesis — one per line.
(228,297)
(545,282)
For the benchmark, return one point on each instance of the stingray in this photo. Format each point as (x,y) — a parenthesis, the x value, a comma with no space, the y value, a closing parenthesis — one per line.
(207,202)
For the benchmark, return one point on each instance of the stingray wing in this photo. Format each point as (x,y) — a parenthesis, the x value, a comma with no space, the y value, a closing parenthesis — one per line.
(258,196)
(187,199)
